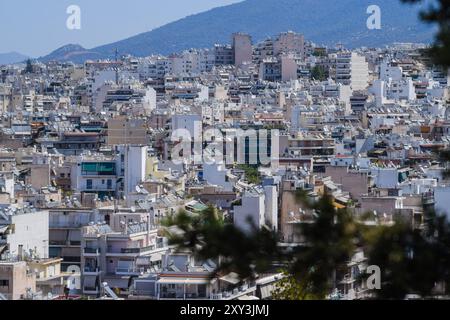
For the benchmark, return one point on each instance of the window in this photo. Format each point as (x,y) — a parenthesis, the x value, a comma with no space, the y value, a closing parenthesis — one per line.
(4,283)
(89,184)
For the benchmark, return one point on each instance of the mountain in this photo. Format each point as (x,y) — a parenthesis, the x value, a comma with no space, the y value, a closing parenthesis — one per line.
(323,21)
(72,52)
(12,57)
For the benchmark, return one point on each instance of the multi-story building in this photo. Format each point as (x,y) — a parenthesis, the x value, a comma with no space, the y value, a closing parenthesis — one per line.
(352,69)
(289,42)
(65,225)
(242,47)
(24,232)
(117,256)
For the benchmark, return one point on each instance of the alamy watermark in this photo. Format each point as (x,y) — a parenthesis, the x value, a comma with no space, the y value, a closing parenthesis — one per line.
(212,146)
(374,20)
(73,22)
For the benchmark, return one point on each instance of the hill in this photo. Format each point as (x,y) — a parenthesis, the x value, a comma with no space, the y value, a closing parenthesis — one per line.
(323,21)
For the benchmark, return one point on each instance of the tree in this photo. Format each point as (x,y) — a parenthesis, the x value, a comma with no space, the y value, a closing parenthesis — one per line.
(208,236)
(444,157)
(438,13)
(319,73)
(29,67)
(252,174)
(289,288)
(412,261)
(329,242)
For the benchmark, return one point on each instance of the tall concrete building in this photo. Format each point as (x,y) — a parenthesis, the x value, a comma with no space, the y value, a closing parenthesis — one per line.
(289,42)
(135,166)
(352,70)
(242,47)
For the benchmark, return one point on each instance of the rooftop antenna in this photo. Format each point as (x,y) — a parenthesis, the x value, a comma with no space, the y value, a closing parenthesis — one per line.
(116,52)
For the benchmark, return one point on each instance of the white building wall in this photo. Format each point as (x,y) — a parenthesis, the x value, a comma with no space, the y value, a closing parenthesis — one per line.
(385,177)
(387,72)
(150,100)
(30,231)
(7,183)
(189,122)
(135,165)
(215,174)
(271,203)
(253,208)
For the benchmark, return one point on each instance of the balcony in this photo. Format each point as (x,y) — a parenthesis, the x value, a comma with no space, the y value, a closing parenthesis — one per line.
(64,243)
(135,251)
(91,251)
(70,225)
(91,291)
(235,293)
(130,271)
(91,271)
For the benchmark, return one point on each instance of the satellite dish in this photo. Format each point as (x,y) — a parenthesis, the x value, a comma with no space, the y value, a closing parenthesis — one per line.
(133,209)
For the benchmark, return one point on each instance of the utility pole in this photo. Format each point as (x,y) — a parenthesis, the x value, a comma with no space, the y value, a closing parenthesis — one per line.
(117,67)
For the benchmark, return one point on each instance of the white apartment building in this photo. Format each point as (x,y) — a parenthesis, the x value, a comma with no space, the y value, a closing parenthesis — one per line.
(352,69)
(190,122)
(251,211)
(217,175)
(135,167)
(114,256)
(390,71)
(96,174)
(24,232)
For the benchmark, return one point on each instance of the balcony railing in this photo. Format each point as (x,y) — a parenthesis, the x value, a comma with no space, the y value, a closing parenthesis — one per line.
(91,270)
(137,250)
(64,243)
(229,295)
(92,250)
(129,270)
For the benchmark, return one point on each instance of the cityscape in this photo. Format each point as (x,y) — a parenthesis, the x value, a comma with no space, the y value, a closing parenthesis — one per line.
(253,169)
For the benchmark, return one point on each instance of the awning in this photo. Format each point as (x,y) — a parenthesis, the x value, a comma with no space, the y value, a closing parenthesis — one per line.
(156,257)
(142,261)
(247,297)
(232,278)
(266,291)
(183,281)
(338,205)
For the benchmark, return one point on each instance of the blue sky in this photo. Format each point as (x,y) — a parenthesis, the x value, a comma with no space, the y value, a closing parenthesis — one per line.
(36,28)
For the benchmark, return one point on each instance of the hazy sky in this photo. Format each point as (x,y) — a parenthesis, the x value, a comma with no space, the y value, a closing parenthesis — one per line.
(36,28)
